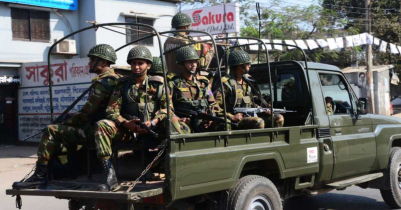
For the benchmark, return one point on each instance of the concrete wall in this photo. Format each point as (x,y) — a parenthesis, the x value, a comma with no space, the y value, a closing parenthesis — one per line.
(15,50)
(110,11)
(381,89)
(86,10)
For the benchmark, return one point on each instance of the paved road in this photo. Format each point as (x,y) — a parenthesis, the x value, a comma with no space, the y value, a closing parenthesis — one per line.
(16,162)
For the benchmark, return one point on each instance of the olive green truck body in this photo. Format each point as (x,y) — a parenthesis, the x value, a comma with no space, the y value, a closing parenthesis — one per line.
(311,152)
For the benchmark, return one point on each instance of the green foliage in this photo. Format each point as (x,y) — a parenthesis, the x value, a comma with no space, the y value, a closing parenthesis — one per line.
(385,16)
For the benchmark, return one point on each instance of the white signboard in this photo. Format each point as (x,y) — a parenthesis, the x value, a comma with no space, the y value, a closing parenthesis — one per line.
(212,19)
(70,79)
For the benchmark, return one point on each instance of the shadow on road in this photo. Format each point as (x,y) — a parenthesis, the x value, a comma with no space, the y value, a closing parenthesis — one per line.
(336,201)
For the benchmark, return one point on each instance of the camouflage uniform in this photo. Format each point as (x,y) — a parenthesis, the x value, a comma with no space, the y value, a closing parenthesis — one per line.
(77,129)
(194,95)
(238,95)
(146,102)
(204,50)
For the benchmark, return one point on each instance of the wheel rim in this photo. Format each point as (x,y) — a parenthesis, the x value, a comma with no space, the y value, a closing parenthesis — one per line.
(399,175)
(260,203)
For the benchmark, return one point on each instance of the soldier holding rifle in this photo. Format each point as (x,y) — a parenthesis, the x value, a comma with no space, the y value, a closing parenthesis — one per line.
(239,94)
(135,96)
(79,128)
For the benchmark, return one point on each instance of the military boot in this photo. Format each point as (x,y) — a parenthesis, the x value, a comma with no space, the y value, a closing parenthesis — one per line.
(38,178)
(110,182)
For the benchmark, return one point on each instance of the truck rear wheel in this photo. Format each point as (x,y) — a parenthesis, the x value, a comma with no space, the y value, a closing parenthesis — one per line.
(254,193)
(392,196)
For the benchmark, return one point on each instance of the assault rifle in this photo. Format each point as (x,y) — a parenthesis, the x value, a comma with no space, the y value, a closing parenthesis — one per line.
(199,115)
(253,112)
(142,124)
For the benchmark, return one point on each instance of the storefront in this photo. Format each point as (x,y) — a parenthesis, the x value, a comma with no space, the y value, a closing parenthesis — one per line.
(8,108)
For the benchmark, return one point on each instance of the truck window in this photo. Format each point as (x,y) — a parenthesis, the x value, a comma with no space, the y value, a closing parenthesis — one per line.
(336,94)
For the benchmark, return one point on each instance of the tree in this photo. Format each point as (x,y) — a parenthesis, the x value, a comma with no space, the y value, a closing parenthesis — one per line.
(385,17)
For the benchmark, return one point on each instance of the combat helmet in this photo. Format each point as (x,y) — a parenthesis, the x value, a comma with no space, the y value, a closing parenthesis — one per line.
(104,51)
(238,57)
(157,67)
(185,54)
(181,20)
(139,52)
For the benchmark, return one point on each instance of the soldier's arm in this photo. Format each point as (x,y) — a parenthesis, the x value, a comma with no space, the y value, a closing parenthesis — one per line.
(162,113)
(219,101)
(98,96)
(114,107)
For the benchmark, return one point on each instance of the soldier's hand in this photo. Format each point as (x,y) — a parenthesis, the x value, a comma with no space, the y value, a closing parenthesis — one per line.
(237,117)
(133,127)
(268,111)
(148,123)
(186,120)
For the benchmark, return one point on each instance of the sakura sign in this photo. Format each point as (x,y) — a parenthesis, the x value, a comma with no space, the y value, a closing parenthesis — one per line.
(213,20)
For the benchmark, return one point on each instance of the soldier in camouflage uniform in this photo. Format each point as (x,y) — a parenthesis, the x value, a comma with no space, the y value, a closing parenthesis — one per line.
(137,95)
(192,92)
(182,21)
(79,128)
(239,94)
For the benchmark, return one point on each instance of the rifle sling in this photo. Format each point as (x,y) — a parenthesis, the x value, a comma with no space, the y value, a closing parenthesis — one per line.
(256,90)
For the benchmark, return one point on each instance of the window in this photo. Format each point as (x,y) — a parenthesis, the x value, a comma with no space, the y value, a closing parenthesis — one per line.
(287,89)
(336,95)
(139,31)
(30,25)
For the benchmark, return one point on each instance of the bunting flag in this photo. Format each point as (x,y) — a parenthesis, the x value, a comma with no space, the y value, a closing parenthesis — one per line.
(312,44)
(268,46)
(291,43)
(278,47)
(356,39)
(349,41)
(340,42)
(331,43)
(322,43)
(383,46)
(393,49)
(301,44)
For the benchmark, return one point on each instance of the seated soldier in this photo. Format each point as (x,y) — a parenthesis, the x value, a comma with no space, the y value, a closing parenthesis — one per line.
(238,93)
(137,96)
(74,130)
(191,92)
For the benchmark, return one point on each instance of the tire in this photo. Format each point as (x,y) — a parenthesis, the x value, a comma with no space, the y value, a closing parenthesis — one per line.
(392,196)
(254,193)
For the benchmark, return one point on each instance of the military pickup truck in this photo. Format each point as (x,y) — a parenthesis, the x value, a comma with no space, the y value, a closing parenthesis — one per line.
(328,143)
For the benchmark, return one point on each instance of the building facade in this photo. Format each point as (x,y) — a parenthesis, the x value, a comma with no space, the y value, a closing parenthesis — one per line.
(29,29)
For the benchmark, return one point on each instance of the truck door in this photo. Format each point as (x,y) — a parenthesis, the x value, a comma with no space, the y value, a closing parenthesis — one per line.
(353,141)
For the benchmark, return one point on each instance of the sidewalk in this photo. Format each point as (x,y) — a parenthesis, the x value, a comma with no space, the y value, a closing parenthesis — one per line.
(15,163)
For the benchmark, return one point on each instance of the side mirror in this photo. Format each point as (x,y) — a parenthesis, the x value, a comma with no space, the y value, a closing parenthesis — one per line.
(362,106)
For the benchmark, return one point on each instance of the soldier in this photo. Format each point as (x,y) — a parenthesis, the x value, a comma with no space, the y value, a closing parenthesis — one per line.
(192,92)
(139,96)
(239,94)
(77,129)
(289,92)
(329,105)
(182,21)
(179,21)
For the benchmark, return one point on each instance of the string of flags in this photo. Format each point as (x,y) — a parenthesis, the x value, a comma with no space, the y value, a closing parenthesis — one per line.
(331,43)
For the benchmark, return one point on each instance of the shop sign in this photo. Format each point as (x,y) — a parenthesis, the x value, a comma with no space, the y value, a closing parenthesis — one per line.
(213,20)
(6,80)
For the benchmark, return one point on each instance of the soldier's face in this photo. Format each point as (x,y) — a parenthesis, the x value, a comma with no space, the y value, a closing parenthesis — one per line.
(138,66)
(96,64)
(191,65)
(246,67)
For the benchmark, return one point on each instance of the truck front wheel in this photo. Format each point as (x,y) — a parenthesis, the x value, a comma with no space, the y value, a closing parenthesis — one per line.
(254,193)
(392,196)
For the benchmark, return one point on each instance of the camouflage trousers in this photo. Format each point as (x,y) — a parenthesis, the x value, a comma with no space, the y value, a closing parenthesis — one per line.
(107,131)
(263,121)
(56,135)
(278,120)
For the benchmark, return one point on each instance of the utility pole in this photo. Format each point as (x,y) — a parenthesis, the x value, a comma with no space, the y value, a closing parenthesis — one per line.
(369,62)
